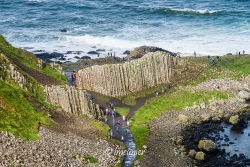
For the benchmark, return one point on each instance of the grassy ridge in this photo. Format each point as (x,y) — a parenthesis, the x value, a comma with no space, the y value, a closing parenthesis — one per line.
(28,59)
(17,115)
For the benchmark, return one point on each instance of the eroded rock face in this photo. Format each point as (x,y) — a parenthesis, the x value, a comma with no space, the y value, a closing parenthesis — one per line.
(143,50)
(11,71)
(72,100)
(122,79)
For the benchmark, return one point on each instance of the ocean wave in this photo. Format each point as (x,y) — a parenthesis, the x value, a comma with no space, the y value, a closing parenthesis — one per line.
(107,41)
(186,11)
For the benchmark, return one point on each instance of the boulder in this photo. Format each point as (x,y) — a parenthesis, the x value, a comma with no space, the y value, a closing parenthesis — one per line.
(77,57)
(93,53)
(127,52)
(142,50)
(63,30)
(244,95)
(192,153)
(179,140)
(207,145)
(183,118)
(100,50)
(200,156)
(85,57)
(234,119)
(205,117)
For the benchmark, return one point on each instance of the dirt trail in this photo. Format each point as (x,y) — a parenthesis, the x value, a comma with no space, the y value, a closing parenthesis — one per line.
(39,76)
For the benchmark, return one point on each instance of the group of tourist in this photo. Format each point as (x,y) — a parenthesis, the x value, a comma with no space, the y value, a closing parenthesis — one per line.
(113,117)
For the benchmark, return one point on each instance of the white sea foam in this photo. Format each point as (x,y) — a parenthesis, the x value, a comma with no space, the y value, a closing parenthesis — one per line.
(204,45)
(199,11)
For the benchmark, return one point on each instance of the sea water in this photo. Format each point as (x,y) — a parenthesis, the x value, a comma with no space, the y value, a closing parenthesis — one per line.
(205,26)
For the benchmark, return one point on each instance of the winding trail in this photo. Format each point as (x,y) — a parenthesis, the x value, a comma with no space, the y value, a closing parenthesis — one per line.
(119,127)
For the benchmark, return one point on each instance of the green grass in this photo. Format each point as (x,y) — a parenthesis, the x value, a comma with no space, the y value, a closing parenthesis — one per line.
(17,115)
(122,110)
(100,126)
(100,97)
(237,63)
(91,159)
(176,99)
(131,98)
(28,59)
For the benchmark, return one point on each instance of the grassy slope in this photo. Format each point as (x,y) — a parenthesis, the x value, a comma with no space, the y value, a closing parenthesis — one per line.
(27,59)
(176,99)
(229,67)
(17,115)
(122,110)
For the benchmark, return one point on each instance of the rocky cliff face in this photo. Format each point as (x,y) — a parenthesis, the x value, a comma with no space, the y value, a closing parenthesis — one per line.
(121,79)
(72,100)
(10,71)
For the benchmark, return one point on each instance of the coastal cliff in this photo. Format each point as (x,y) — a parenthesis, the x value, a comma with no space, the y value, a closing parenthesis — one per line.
(33,77)
(72,100)
(121,79)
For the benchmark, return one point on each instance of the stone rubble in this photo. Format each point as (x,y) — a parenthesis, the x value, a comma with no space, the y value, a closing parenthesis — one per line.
(54,149)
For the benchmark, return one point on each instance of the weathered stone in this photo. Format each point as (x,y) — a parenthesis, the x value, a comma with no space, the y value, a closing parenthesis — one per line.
(234,119)
(183,118)
(72,100)
(143,50)
(200,156)
(244,94)
(179,140)
(122,79)
(205,117)
(192,153)
(207,145)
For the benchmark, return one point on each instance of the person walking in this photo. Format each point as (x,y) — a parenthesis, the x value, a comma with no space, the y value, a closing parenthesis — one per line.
(128,123)
(123,117)
(110,133)
(194,53)
(126,116)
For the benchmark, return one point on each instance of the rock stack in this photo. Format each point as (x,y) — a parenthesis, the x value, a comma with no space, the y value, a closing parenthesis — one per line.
(121,79)
(72,100)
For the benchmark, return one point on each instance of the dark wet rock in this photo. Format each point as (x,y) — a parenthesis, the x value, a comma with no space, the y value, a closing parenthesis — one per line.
(85,57)
(77,57)
(127,52)
(100,50)
(62,58)
(74,52)
(47,56)
(27,48)
(93,47)
(93,52)
(39,51)
(63,30)
(142,50)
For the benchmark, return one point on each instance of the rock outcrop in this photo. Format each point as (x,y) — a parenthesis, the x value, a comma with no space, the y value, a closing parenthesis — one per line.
(143,50)
(72,100)
(121,79)
(9,71)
